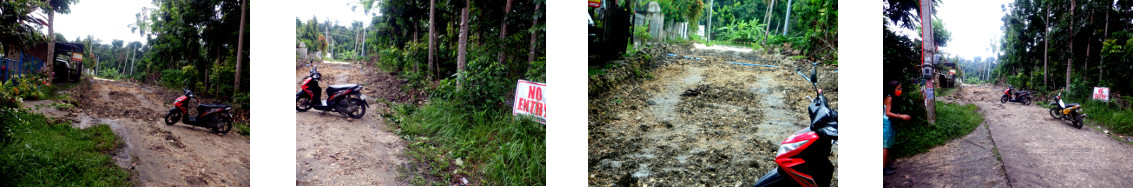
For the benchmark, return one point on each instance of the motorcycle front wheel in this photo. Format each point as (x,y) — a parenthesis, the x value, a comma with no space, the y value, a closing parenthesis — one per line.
(1055,113)
(303,104)
(1003,99)
(172,118)
(222,123)
(354,108)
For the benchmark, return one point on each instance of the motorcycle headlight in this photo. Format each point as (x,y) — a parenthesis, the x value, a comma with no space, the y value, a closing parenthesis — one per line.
(785,148)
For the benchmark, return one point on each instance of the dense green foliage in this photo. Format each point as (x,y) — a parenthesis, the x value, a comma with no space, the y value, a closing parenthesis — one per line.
(345,42)
(489,143)
(1086,39)
(813,25)
(38,151)
(917,136)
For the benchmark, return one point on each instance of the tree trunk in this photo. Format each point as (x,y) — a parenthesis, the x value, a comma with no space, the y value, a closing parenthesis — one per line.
(503,32)
(462,44)
(50,61)
(1046,45)
(416,66)
(534,34)
(240,46)
(432,37)
(1105,35)
(1070,58)
(770,15)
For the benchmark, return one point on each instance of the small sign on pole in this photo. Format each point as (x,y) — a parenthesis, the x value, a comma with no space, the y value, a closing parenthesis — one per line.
(529,100)
(1101,94)
(594,3)
(77,57)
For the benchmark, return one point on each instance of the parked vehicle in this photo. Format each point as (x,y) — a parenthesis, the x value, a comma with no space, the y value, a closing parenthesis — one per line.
(345,98)
(1011,95)
(216,117)
(1067,111)
(803,159)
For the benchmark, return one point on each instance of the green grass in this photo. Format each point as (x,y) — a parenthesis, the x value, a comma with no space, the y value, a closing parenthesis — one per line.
(38,151)
(941,92)
(447,140)
(917,136)
(242,129)
(1109,115)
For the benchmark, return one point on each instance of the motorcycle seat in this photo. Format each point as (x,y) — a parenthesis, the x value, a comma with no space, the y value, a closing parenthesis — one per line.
(1071,104)
(342,86)
(203,106)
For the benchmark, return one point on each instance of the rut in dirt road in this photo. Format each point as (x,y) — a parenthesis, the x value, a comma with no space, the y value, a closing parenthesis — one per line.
(1039,151)
(332,149)
(162,155)
(700,122)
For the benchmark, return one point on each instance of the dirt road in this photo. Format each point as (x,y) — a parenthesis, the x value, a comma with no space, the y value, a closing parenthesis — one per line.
(161,155)
(701,122)
(1036,150)
(332,149)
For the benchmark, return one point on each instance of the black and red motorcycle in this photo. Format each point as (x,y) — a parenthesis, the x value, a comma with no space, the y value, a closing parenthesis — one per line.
(803,159)
(216,117)
(345,98)
(1011,95)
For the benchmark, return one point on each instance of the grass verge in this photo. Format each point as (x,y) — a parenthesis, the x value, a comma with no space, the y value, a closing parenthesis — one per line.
(448,143)
(1109,115)
(38,151)
(952,121)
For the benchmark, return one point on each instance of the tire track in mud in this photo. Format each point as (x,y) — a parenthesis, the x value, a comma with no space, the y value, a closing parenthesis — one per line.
(696,123)
(332,149)
(161,155)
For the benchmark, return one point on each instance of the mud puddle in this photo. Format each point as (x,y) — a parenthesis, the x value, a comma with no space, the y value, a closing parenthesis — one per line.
(700,122)
(159,154)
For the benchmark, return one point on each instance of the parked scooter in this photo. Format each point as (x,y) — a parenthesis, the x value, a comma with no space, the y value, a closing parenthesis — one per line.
(216,117)
(1023,97)
(345,98)
(803,159)
(1067,111)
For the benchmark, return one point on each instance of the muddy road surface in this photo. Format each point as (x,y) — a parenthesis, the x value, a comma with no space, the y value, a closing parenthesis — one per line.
(159,154)
(332,149)
(1037,150)
(699,120)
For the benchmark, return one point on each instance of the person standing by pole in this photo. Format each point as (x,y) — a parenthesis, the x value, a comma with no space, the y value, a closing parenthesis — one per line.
(893,88)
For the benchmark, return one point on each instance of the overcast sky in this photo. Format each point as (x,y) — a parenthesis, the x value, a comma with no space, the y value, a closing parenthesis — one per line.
(974,25)
(335,10)
(101,19)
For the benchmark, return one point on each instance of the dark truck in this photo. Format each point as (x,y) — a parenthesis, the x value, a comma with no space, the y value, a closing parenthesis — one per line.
(68,62)
(609,30)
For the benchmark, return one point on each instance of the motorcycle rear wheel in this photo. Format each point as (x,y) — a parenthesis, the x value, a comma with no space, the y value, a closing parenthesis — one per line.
(172,118)
(303,104)
(222,124)
(1027,100)
(354,108)
(1078,121)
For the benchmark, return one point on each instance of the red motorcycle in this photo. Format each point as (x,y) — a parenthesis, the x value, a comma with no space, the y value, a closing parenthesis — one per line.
(345,98)
(803,159)
(216,117)
(1010,95)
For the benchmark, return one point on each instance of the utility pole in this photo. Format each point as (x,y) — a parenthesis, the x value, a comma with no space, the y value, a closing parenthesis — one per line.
(708,28)
(927,57)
